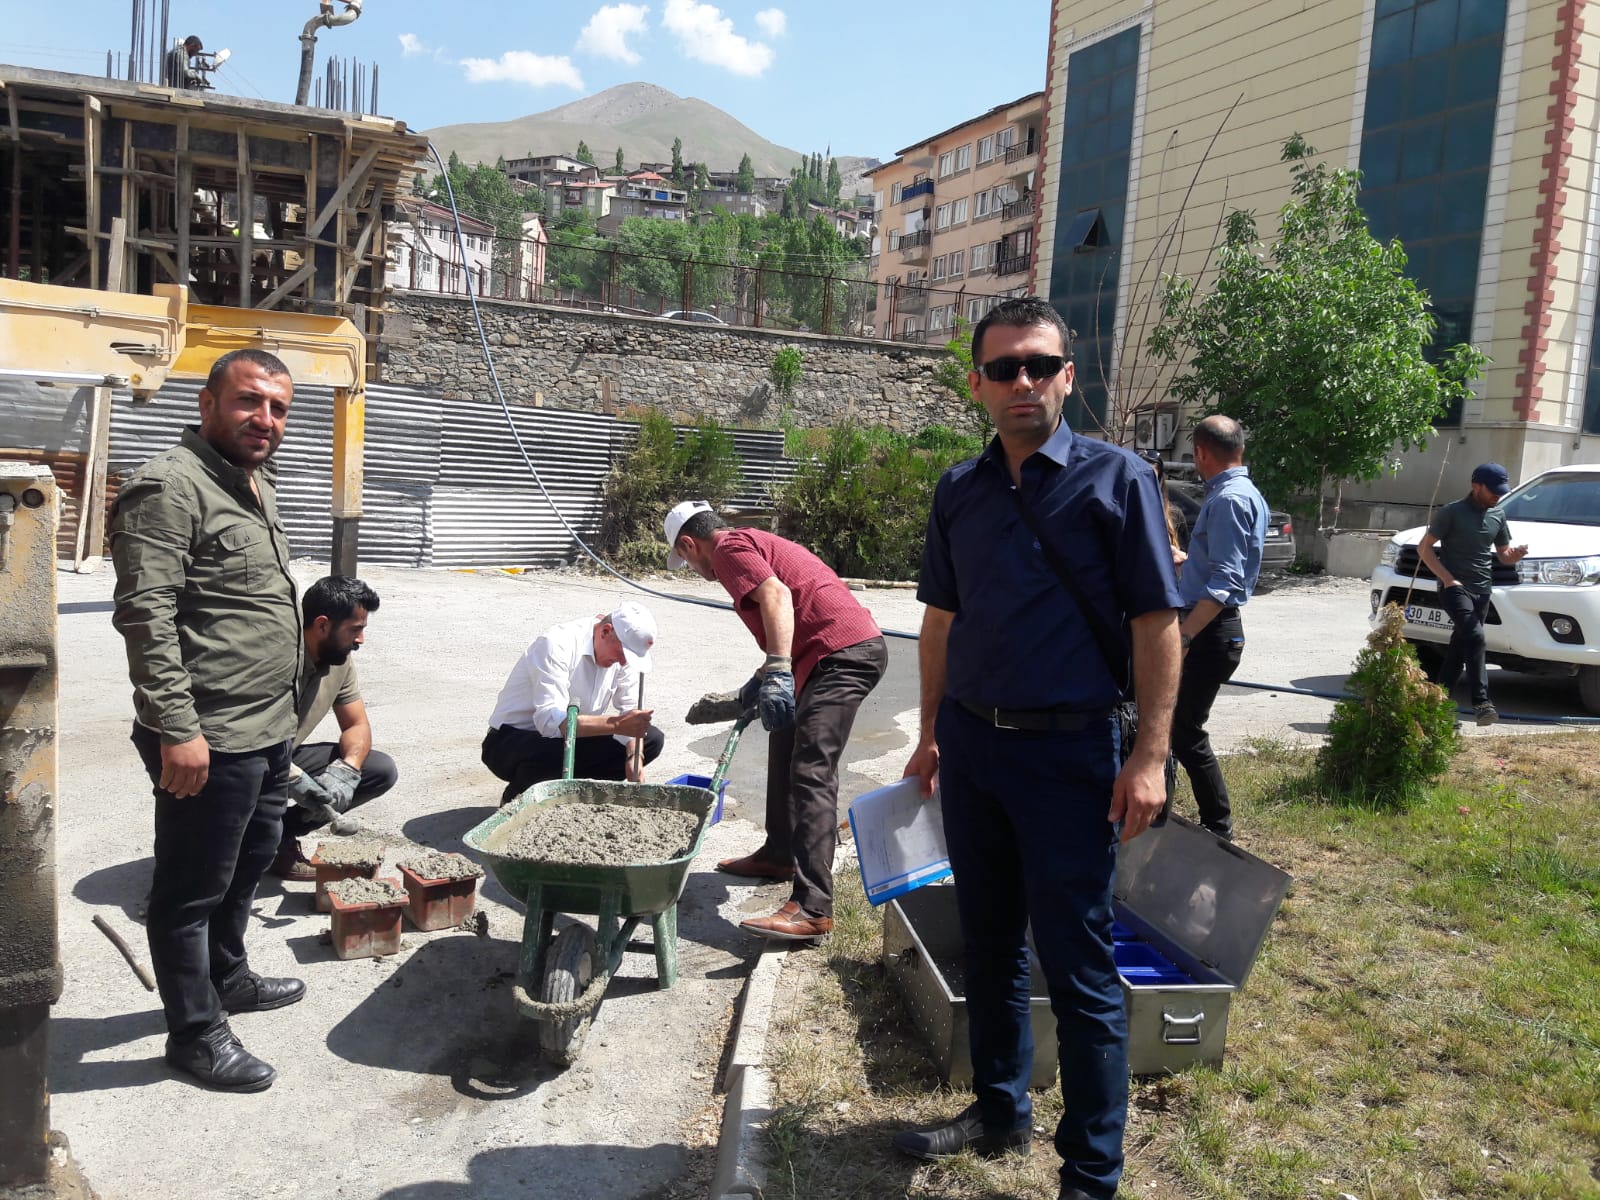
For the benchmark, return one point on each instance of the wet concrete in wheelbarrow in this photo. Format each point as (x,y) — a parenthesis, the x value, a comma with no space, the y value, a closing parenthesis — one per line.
(603,835)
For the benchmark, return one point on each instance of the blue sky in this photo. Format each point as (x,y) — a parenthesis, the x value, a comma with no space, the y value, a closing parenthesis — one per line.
(867,78)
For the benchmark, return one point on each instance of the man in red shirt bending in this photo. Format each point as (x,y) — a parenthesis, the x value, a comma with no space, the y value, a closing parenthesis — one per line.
(824,654)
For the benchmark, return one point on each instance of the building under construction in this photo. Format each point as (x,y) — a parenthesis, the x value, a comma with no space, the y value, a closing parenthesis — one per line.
(119,184)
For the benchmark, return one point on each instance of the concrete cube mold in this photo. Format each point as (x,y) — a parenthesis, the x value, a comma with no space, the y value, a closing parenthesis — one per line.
(331,872)
(365,930)
(438,903)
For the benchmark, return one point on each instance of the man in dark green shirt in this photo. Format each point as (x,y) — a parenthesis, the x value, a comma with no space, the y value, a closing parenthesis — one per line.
(1470,534)
(206,606)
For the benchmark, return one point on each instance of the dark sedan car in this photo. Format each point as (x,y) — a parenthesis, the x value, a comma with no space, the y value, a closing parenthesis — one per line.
(1276,553)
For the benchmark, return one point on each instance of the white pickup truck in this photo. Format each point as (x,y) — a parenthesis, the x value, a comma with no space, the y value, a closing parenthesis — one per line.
(1544,617)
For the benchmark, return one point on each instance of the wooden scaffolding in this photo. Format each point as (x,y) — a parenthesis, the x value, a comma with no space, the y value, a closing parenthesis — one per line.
(106,183)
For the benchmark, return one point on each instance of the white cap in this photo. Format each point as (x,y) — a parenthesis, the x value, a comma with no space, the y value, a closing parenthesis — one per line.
(635,628)
(675,522)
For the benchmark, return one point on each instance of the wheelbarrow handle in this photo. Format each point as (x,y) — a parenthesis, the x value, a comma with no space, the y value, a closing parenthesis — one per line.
(569,749)
(729,747)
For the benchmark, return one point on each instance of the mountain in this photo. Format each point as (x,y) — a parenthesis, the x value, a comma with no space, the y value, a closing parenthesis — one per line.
(641,118)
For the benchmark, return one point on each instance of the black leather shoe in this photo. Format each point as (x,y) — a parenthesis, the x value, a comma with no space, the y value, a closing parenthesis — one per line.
(252,993)
(965,1132)
(216,1060)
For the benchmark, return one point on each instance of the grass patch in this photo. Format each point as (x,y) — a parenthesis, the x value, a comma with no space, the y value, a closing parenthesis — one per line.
(1424,1021)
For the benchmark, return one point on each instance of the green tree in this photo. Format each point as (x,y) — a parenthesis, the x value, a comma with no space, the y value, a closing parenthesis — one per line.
(952,372)
(745,181)
(485,193)
(677,161)
(1395,732)
(620,167)
(835,181)
(584,154)
(1320,346)
(702,177)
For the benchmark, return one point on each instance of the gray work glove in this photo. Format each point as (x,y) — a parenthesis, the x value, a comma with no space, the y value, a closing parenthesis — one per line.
(750,693)
(776,698)
(306,791)
(339,781)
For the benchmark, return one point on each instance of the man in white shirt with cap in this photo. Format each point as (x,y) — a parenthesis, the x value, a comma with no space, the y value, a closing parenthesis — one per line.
(596,663)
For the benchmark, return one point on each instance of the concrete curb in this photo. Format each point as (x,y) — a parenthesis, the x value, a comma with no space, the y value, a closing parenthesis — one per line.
(741,1172)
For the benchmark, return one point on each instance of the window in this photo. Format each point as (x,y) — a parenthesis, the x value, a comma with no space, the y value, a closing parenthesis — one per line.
(1091,176)
(1426,139)
(941,217)
(877,200)
(976,308)
(938,266)
(1087,232)
(1006,138)
(980,257)
(956,261)
(877,243)
(939,318)
(985,201)
(911,331)
(958,214)
(894,239)
(985,149)
(894,194)
(964,157)
(947,163)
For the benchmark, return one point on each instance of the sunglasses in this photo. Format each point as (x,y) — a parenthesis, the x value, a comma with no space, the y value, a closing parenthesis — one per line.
(1039,367)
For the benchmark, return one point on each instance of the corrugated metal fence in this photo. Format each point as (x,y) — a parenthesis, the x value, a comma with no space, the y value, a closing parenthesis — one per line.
(444,483)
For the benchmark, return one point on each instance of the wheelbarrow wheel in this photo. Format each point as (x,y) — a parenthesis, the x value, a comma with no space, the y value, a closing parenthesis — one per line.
(569,969)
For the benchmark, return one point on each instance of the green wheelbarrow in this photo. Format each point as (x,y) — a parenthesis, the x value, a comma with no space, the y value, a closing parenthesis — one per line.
(568,972)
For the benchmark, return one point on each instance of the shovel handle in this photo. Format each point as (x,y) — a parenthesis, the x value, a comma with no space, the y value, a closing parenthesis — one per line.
(569,749)
(729,747)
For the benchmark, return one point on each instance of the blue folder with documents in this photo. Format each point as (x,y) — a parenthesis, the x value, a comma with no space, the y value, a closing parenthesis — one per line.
(899,840)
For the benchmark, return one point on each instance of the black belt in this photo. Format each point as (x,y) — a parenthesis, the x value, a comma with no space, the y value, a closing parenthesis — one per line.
(1038,720)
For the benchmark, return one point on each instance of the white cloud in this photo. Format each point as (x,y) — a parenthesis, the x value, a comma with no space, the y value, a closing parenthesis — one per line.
(523,66)
(773,22)
(706,35)
(411,45)
(607,33)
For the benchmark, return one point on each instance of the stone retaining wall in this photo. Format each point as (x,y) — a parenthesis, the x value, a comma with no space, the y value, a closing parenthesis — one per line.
(604,362)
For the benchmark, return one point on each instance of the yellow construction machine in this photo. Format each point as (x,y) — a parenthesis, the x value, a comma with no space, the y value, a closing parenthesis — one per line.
(105,341)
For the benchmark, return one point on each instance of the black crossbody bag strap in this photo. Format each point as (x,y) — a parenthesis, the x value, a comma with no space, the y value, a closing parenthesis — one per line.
(1112,646)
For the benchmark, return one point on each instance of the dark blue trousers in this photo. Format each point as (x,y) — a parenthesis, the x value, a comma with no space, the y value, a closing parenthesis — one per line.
(1025,819)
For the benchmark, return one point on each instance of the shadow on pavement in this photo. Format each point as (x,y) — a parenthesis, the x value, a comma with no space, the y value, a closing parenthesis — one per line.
(73,1039)
(444,830)
(594,1172)
(123,884)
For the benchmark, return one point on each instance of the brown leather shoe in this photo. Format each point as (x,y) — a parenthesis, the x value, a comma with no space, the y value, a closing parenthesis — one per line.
(789,924)
(291,864)
(753,866)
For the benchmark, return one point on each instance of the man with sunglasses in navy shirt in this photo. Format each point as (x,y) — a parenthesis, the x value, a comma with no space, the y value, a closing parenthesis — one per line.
(1019,727)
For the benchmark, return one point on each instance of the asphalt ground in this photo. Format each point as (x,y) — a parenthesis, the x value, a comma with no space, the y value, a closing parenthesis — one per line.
(410,1077)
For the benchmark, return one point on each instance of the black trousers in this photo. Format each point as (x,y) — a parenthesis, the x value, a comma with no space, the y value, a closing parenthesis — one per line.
(523,757)
(1212,659)
(210,852)
(803,770)
(378,775)
(1468,648)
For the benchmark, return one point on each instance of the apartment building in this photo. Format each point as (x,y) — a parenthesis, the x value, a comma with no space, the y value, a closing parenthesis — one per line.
(545,169)
(426,256)
(1473,123)
(955,223)
(645,194)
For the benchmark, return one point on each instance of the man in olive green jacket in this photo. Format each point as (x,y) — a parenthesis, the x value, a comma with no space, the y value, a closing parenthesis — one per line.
(206,605)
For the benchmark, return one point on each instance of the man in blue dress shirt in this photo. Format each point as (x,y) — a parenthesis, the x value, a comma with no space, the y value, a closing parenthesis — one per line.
(1218,578)
(1018,725)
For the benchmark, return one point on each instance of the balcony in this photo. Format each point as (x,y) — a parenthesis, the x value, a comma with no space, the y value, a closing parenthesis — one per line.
(916,190)
(1013,264)
(911,298)
(1017,209)
(915,246)
(1022,157)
